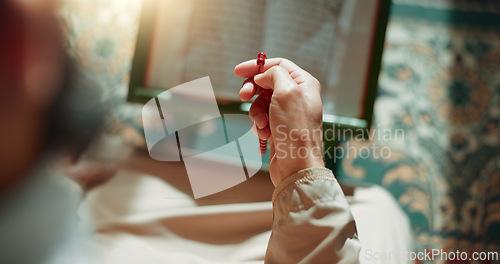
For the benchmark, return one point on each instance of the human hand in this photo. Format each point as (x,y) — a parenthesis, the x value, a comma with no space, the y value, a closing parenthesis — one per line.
(294,125)
(89,174)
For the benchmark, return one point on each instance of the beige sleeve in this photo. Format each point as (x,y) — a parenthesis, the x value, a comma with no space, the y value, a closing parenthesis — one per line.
(312,221)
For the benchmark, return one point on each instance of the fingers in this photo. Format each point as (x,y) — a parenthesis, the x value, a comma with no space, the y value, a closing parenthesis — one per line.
(276,78)
(257,112)
(260,119)
(261,133)
(277,73)
(254,129)
(249,68)
(248,90)
(90,174)
(264,133)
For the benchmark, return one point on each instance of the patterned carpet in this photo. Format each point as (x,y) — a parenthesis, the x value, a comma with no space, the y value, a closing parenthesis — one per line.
(440,84)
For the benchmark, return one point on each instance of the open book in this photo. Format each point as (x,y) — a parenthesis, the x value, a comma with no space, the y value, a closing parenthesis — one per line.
(196,38)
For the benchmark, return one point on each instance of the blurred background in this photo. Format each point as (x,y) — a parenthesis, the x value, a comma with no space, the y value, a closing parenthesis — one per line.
(440,83)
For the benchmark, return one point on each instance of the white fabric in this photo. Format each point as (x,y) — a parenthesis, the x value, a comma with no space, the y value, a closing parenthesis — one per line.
(142,217)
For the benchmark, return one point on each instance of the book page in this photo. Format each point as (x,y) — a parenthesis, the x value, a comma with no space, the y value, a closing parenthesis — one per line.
(218,34)
(346,81)
(330,39)
(167,51)
(302,31)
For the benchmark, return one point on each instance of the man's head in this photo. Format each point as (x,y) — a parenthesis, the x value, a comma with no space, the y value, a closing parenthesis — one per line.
(45,105)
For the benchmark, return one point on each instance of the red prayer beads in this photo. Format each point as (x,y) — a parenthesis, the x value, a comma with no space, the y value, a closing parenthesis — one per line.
(266,93)
(261,60)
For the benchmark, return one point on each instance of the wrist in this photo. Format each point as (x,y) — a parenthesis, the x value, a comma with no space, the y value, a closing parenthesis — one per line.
(293,166)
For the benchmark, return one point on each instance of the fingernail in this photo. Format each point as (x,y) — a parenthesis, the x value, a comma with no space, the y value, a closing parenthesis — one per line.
(254,130)
(247,84)
(262,134)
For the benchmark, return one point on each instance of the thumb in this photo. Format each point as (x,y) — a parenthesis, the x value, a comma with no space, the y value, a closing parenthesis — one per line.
(276,78)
